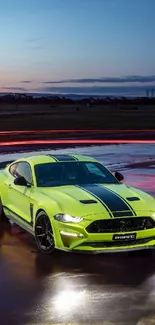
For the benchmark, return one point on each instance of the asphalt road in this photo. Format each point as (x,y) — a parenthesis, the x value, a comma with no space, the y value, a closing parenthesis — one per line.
(75,289)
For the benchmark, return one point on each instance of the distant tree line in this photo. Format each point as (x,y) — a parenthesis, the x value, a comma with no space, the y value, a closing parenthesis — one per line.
(64,100)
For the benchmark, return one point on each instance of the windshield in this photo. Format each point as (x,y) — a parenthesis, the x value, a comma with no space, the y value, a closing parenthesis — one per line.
(72,173)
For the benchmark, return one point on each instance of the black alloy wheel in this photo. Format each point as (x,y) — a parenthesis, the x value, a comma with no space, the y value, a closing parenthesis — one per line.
(44,234)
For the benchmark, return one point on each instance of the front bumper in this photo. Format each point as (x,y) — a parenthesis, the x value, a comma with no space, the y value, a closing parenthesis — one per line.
(75,238)
(108,251)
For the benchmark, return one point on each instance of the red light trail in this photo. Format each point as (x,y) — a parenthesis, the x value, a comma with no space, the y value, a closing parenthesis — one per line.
(71,141)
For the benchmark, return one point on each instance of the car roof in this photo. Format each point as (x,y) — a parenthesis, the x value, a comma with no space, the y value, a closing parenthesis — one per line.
(52,158)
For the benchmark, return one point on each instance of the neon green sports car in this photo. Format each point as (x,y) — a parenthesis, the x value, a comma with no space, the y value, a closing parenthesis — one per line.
(74,203)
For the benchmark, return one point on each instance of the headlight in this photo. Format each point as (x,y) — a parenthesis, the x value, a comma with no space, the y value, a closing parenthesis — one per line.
(67,218)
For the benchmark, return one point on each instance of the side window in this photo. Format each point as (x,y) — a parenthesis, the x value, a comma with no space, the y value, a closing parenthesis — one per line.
(94,170)
(24,169)
(12,169)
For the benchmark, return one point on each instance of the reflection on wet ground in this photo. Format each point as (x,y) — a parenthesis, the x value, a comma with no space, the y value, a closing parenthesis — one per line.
(71,288)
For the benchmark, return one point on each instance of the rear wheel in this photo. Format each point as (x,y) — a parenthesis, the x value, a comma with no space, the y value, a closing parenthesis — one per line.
(44,234)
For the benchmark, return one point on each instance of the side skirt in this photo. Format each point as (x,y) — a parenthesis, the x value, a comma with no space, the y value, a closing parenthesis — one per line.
(13,217)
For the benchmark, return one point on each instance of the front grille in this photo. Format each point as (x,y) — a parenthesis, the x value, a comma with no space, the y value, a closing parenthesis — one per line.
(117,243)
(121,225)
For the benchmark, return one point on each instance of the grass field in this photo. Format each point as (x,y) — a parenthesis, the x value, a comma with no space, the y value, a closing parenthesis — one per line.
(69,117)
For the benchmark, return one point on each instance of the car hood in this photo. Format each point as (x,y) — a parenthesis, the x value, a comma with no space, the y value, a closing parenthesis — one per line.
(112,200)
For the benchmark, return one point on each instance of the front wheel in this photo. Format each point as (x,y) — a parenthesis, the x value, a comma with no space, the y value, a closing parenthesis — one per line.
(44,234)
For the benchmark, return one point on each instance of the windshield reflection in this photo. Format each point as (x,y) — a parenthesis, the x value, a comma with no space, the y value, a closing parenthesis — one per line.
(72,173)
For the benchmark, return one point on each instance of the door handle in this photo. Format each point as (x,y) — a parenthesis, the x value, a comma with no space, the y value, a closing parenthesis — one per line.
(10,186)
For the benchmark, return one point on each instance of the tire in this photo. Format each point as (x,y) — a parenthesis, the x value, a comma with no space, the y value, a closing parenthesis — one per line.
(2,215)
(44,234)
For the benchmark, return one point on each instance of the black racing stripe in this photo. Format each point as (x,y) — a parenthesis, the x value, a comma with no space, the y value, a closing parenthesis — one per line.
(124,200)
(74,157)
(63,157)
(114,203)
(96,197)
(52,157)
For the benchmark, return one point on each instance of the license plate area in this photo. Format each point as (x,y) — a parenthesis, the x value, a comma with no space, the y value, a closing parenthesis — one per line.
(124,237)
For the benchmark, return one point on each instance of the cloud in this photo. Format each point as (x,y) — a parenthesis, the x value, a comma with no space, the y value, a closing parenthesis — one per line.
(14,88)
(133,79)
(111,90)
(33,40)
(35,48)
(34,43)
(26,81)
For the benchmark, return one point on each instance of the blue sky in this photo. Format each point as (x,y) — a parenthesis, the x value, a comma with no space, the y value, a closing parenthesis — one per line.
(82,45)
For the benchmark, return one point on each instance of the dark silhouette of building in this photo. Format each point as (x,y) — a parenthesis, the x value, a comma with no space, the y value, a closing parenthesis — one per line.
(147,93)
(152,93)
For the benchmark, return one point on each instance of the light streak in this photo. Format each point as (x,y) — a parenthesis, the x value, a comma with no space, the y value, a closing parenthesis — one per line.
(22,132)
(71,141)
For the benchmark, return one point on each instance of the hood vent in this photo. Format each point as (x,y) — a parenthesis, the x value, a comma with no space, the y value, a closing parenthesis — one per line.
(133,198)
(88,201)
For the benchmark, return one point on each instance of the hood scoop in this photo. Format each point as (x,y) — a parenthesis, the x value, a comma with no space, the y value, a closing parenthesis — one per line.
(88,201)
(134,198)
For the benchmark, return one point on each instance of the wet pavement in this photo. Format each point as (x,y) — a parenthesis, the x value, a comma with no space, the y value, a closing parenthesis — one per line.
(69,288)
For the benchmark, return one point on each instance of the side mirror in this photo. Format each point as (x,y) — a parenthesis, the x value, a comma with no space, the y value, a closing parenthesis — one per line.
(119,176)
(21,181)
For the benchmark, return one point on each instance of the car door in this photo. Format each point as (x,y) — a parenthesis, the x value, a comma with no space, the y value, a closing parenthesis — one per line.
(17,199)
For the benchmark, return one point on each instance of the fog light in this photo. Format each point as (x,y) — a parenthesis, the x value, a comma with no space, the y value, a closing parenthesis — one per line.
(70,234)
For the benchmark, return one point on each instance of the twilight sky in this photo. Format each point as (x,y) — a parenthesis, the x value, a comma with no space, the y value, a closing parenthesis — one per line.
(77,46)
